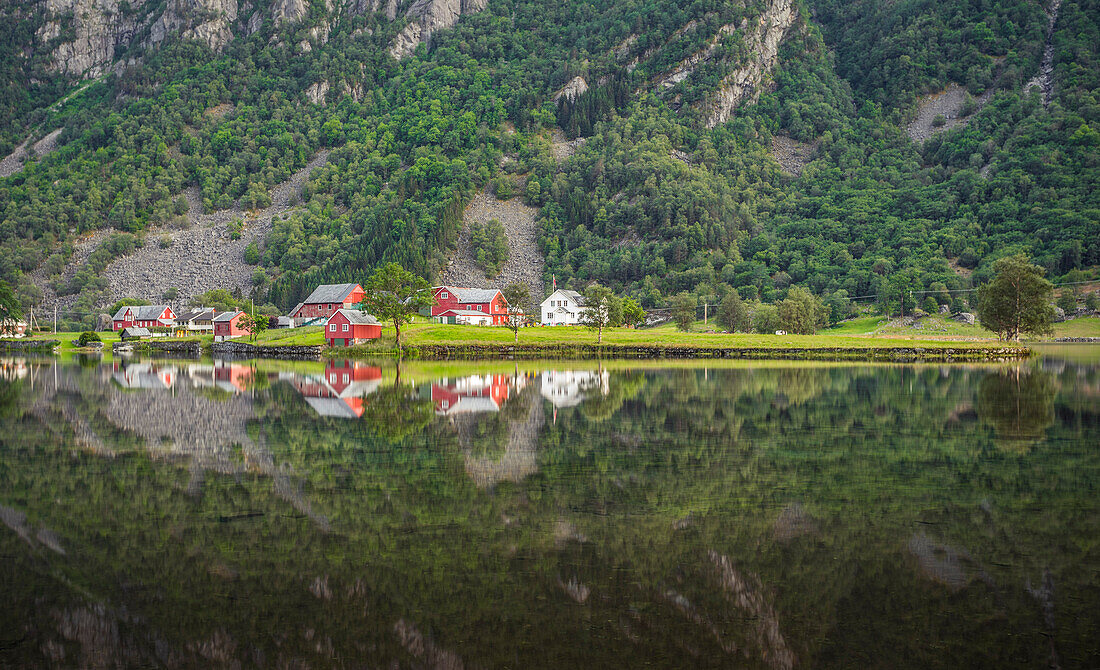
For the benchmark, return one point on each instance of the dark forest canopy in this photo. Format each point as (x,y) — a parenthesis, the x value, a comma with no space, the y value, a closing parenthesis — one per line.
(652,204)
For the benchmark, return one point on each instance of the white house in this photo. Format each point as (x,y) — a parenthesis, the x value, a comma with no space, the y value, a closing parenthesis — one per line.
(562,308)
(568,388)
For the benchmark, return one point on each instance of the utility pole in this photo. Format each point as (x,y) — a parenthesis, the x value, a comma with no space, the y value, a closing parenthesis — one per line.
(55,318)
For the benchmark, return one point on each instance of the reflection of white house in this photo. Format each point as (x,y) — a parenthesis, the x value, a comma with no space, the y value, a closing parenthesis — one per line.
(567,388)
(562,308)
(145,376)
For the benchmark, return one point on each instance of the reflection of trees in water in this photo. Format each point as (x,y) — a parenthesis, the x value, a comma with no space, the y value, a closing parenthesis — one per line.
(394,412)
(1019,404)
(502,446)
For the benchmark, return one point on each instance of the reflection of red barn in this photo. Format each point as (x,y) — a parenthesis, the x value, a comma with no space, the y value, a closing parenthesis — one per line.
(340,390)
(233,377)
(477,393)
(455,301)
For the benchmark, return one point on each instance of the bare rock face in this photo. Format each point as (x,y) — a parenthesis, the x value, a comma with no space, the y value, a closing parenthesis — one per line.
(575,87)
(99,27)
(179,15)
(744,83)
(317,92)
(427,17)
(289,11)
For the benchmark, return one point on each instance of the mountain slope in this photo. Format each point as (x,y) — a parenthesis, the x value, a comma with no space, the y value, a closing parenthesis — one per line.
(673,189)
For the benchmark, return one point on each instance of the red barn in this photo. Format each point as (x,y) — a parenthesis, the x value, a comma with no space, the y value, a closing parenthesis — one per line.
(351,326)
(340,392)
(227,325)
(487,300)
(143,316)
(326,299)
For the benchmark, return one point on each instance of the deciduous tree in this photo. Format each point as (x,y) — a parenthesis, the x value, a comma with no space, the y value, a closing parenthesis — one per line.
(518,297)
(600,309)
(1018,299)
(394,294)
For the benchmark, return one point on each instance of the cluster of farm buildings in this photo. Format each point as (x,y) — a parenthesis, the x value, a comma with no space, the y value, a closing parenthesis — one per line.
(336,307)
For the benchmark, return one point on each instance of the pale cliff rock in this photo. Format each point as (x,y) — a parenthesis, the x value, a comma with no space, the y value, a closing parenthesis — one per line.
(744,83)
(99,27)
(178,15)
(427,17)
(575,87)
(317,92)
(289,11)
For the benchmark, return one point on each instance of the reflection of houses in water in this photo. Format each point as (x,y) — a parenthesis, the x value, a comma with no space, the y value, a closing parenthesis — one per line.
(144,375)
(568,388)
(475,393)
(210,433)
(12,369)
(340,391)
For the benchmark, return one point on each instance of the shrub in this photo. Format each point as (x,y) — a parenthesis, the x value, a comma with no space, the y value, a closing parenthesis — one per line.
(252,254)
(171,294)
(490,246)
(235,227)
(165,241)
(88,336)
(939,121)
(503,188)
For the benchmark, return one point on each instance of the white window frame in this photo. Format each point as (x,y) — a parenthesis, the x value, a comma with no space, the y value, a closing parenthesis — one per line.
(344,327)
(443,295)
(332,327)
(479,308)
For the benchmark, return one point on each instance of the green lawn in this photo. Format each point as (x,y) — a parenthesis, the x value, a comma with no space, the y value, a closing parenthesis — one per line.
(1088,326)
(864,325)
(667,335)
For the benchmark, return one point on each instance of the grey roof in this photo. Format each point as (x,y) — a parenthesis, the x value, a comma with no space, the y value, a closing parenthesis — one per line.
(330,293)
(333,407)
(575,296)
(473,294)
(194,314)
(296,308)
(227,316)
(141,312)
(358,317)
(465,312)
(136,332)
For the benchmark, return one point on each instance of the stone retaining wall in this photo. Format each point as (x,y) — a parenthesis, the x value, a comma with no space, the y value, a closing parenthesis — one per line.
(634,351)
(245,350)
(28,345)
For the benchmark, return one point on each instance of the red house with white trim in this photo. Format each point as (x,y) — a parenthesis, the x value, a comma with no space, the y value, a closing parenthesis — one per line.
(142,316)
(458,299)
(227,325)
(326,299)
(348,327)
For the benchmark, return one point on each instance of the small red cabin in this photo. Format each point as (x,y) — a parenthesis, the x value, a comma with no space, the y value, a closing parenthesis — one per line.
(489,301)
(326,299)
(227,325)
(348,327)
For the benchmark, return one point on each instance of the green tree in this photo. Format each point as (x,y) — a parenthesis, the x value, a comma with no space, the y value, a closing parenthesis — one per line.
(1068,302)
(930,305)
(633,314)
(600,309)
(683,310)
(394,294)
(1018,299)
(11,311)
(802,312)
(252,253)
(765,318)
(1092,301)
(490,246)
(732,313)
(254,324)
(518,297)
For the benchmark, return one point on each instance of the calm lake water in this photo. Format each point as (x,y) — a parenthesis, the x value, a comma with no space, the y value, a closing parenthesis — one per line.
(550,514)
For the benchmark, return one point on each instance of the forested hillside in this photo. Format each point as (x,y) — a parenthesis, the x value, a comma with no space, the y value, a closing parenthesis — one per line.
(676,107)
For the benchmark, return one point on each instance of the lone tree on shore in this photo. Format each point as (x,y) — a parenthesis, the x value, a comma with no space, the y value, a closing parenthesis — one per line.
(1018,299)
(518,297)
(11,311)
(683,310)
(802,312)
(600,309)
(394,294)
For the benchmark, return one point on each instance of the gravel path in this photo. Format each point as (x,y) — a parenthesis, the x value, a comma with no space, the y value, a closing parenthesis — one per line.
(525,261)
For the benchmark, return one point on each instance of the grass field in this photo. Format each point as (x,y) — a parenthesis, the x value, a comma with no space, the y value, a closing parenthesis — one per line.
(1088,326)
